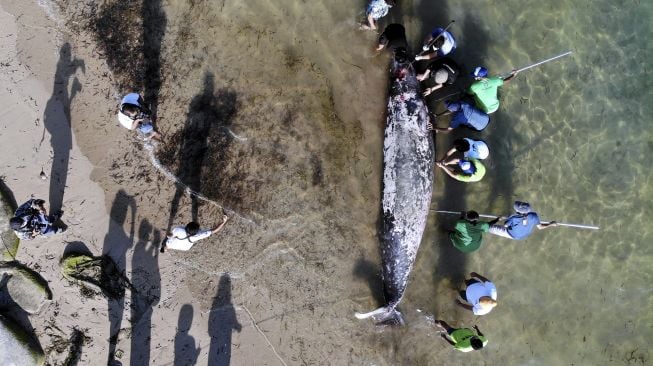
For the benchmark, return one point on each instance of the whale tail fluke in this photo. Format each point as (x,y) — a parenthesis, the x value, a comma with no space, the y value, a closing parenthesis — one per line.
(383,316)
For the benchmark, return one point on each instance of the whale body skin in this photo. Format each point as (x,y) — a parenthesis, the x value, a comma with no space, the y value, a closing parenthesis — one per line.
(408,159)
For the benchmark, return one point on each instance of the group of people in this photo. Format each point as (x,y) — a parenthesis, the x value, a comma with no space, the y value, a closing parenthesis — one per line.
(31,219)
(463,161)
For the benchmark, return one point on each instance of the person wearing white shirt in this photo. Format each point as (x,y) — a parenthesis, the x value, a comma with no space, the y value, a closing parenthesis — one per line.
(480,294)
(184,237)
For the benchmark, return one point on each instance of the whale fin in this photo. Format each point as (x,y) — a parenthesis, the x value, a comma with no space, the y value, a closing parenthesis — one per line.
(383,315)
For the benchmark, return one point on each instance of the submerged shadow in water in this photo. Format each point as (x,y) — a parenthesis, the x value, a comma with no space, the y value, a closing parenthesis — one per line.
(222,322)
(185,351)
(56,119)
(371,273)
(146,292)
(452,263)
(116,244)
(208,111)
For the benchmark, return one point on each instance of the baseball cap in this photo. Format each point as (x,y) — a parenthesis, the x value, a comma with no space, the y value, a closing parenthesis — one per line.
(480,72)
(441,76)
(477,149)
(467,167)
(522,207)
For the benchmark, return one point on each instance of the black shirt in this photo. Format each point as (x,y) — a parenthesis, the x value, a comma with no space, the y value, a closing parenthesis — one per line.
(446,64)
(393,37)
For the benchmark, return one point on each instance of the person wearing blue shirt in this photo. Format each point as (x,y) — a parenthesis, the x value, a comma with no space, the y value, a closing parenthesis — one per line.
(439,43)
(520,225)
(464,115)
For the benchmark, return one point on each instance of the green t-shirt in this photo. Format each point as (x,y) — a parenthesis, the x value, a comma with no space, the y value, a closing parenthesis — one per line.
(462,339)
(478,174)
(486,93)
(467,237)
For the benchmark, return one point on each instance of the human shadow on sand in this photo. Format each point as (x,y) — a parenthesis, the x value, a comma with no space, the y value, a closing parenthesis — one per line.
(185,351)
(146,292)
(188,148)
(222,322)
(116,244)
(56,119)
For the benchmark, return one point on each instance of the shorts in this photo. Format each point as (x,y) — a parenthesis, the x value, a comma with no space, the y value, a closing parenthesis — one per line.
(500,230)
(145,128)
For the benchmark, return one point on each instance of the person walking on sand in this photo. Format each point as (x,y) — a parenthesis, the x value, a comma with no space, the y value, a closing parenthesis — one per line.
(462,339)
(376,10)
(485,90)
(133,115)
(521,224)
(31,220)
(464,115)
(480,295)
(184,237)
(467,234)
(463,170)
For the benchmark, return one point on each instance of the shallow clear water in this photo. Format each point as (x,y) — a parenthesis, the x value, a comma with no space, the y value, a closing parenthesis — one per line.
(572,137)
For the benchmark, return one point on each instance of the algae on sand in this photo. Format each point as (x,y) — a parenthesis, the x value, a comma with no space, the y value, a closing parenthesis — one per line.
(97,274)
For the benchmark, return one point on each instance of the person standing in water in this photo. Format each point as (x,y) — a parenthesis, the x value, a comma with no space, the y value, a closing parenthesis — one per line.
(463,170)
(443,71)
(464,115)
(184,237)
(521,224)
(376,10)
(480,295)
(439,43)
(474,149)
(462,339)
(467,234)
(485,90)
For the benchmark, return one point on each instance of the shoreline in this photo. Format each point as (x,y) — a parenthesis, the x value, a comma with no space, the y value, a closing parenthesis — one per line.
(89,197)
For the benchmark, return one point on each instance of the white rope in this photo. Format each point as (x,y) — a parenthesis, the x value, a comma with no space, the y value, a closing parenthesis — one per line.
(263,334)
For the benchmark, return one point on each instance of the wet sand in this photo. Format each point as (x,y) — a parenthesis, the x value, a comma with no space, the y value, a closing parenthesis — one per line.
(275,112)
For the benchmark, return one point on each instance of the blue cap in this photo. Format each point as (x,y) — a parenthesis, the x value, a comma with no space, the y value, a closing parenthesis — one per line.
(453,106)
(131,98)
(522,207)
(480,72)
(467,167)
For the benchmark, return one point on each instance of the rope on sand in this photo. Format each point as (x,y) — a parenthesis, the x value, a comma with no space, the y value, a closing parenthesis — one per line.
(263,334)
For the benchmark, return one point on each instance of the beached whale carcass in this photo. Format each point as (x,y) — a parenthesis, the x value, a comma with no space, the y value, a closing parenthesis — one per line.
(408,151)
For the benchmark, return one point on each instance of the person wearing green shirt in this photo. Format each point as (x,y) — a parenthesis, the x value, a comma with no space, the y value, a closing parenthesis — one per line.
(464,170)
(467,234)
(462,339)
(486,89)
